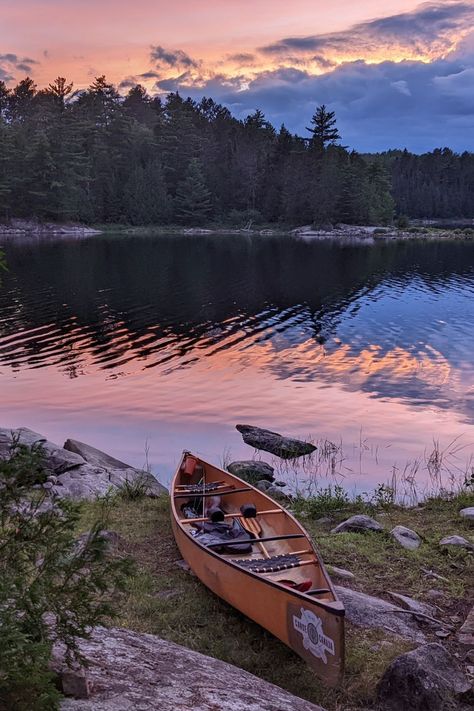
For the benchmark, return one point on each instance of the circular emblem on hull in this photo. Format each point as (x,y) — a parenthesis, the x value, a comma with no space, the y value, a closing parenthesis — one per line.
(310,626)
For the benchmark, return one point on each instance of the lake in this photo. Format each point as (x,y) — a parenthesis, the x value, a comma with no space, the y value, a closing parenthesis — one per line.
(143,346)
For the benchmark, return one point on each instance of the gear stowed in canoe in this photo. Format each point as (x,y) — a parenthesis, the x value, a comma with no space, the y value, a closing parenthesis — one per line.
(255,555)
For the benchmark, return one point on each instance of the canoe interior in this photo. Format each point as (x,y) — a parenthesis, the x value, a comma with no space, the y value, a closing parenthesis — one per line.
(310,623)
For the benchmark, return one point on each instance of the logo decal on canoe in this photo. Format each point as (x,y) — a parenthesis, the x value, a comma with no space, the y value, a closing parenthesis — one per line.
(310,626)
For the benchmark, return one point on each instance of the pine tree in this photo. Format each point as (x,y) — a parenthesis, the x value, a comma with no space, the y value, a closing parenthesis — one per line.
(193,199)
(323,129)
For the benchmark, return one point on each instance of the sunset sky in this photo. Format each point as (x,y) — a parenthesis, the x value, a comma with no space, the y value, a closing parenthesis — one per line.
(397,73)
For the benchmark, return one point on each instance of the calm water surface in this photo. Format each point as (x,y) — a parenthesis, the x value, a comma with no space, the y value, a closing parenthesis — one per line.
(122,341)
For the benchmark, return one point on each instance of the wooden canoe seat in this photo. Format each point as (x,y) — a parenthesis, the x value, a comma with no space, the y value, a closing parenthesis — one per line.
(269,565)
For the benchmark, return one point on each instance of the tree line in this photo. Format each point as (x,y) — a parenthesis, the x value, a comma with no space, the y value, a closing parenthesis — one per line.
(98,157)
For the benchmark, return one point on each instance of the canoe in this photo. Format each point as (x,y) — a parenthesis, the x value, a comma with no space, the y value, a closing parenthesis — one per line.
(279,581)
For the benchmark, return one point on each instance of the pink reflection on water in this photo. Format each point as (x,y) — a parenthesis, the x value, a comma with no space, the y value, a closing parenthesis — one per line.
(197,407)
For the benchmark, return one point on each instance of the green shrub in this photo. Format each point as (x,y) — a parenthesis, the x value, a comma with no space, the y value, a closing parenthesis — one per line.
(131,490)
(242,218)
(52,587)
(402,222)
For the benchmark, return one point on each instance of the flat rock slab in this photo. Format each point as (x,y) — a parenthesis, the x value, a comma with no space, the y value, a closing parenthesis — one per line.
(94,456)
(128,671)
(358,524)
(252,471)
(275,443)
(406,537)
(426,678)
(371,612)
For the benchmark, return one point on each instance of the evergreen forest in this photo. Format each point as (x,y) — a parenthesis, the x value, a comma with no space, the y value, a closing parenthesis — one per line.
(98,157)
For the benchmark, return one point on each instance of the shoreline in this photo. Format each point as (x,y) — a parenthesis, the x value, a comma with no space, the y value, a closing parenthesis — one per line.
(341,233)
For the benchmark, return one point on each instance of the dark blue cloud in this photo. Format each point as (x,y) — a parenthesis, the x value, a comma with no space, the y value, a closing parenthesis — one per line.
(11,63)
(409,104)
(174,58)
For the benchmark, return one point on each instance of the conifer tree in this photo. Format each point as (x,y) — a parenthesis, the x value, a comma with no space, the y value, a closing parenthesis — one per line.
(193,199)
(323,129)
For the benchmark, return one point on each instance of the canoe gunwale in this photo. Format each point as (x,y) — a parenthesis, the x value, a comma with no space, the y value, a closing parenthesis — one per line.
(327,606)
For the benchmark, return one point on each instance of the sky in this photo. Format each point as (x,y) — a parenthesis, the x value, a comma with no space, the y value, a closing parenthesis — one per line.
(398,74)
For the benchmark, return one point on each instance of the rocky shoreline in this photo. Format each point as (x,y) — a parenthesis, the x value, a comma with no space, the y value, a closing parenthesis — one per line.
(342,233)
(128,668)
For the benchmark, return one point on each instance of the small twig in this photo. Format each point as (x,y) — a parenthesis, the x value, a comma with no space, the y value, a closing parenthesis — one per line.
(425,617)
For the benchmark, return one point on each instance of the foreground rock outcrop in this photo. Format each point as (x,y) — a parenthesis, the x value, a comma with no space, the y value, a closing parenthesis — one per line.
(130,671)
(372,612)
(428,678)
(275,443)
(79,471)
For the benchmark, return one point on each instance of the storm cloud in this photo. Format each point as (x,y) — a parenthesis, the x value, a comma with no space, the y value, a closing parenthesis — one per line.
(409,104)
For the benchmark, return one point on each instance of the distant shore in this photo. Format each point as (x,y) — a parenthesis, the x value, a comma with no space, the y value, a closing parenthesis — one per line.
(426,230)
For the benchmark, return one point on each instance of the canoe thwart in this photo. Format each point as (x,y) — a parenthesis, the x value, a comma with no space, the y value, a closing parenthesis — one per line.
(237,514)
(266,539)
(190,495)
(317,591)
(200,488)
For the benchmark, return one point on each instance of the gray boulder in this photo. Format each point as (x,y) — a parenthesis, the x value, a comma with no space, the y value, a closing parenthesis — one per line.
(457,541)
(278,494)
(275,443)
(264,485)
(252,471)
(127,670)
(89,482)
(358,524)
(371,612)
(468,513)
(406,537)
(79,471)
(426,678)
(466,632)
(340,573)
(58,459)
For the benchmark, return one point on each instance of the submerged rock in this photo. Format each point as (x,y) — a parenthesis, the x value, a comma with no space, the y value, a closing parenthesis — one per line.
(275,443)
(252,471)
(128,670)
(358,524)
(406,537)
(426,678)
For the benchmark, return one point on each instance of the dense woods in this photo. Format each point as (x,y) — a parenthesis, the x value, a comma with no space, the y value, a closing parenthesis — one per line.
(98,157)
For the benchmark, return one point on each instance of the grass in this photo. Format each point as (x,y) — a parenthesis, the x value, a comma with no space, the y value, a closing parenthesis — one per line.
(166,600)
